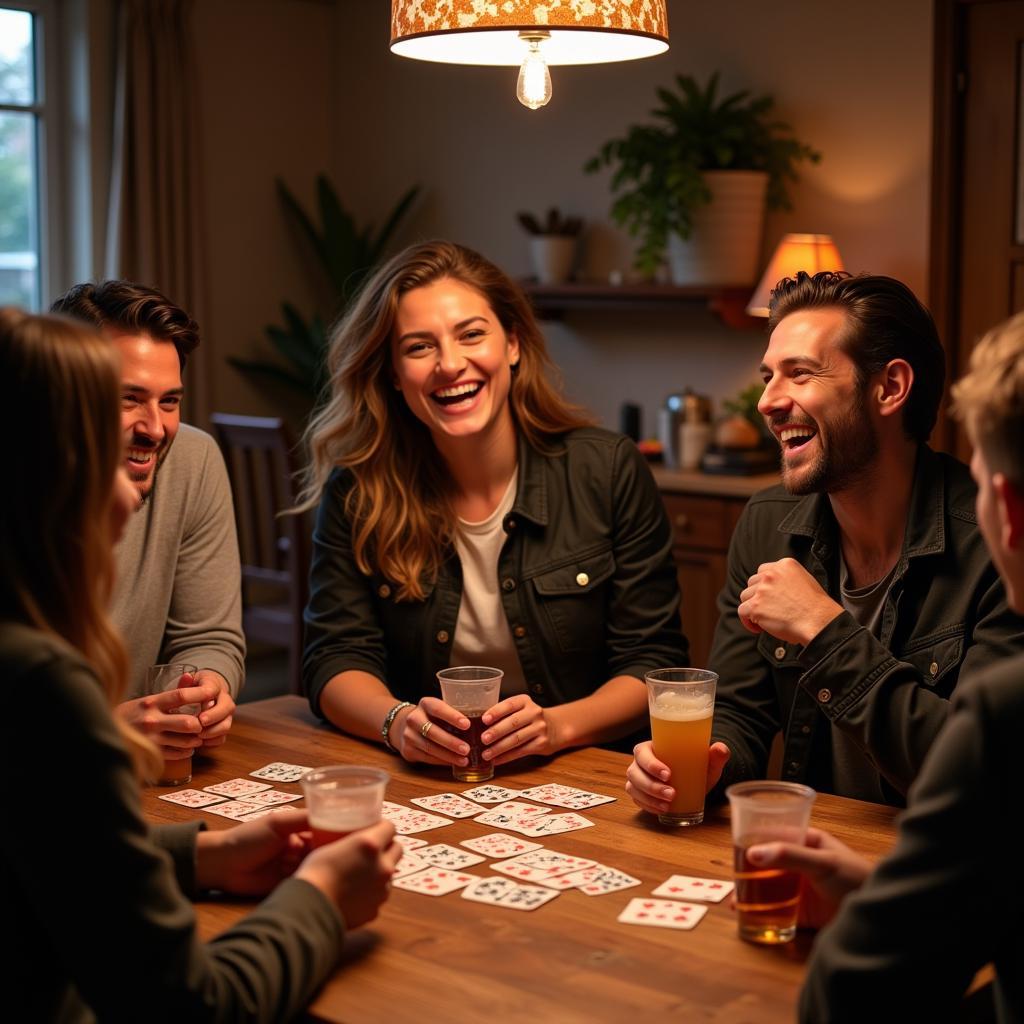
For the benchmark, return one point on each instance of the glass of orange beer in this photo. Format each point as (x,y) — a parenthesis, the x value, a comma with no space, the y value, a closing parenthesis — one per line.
(341,799)
(159,678)
(471,690)
(681,702)
(767,899)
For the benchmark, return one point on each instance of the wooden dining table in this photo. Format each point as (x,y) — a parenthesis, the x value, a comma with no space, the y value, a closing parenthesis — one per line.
(449,959)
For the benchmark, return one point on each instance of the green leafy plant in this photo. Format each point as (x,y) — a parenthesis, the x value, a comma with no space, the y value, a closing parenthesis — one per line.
(659,168)
(346,254)
(553,224)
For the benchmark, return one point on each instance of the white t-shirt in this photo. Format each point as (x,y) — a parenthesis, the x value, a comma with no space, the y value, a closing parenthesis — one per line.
(482,634)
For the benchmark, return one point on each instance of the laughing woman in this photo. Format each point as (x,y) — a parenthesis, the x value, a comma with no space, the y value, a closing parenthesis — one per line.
(469,516)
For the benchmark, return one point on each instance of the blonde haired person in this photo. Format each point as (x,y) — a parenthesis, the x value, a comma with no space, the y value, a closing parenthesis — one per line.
(94,896)
(469,515)
(942,905)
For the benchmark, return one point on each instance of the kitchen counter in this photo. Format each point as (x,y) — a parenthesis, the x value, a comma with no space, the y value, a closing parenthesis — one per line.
(692,481)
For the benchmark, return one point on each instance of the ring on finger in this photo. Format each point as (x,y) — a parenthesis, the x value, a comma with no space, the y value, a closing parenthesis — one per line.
(425,728)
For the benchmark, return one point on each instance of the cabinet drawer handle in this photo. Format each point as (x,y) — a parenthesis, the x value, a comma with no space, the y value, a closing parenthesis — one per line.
(682,522)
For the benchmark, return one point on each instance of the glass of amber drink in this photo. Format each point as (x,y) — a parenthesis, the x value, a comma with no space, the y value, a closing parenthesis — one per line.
(159,678)
(767,899)
(341,799)
(471,690)
(681,702)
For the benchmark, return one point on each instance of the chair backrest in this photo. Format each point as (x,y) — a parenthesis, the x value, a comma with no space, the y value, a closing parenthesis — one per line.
(274,548)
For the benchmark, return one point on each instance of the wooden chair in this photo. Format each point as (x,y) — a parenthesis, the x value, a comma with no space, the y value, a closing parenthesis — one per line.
(274,548)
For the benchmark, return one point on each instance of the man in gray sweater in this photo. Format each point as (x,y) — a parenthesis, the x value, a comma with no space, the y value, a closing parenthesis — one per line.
(177,597)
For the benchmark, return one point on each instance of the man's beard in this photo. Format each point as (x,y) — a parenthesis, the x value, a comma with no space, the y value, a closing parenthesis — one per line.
(853,447)
(160,453)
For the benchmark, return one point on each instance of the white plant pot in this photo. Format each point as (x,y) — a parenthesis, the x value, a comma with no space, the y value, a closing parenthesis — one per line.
(553,257)
(724,247)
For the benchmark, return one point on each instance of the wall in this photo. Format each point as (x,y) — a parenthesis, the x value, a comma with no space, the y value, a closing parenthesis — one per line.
(293,87)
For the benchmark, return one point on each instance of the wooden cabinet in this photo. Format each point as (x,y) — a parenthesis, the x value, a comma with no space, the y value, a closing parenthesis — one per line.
(701,526)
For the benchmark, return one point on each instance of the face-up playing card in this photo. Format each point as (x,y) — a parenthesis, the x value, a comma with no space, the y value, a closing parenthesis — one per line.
(519,818)
(504,892)
(236,788)
(683,887)
(488,794)
(407,820)
(235,809)
(497,844)
(662,913)
(409,842)
(193,798)
(599,880)
(272,797)
(280,771)
(516,809)
(488,890)
(451,804)
(444,856)
(548,862)
(567,796)
(409,865)
(434,881)
(553,824)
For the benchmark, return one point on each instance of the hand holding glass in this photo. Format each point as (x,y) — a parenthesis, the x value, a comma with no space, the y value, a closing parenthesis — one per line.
(177,770)
(471,690)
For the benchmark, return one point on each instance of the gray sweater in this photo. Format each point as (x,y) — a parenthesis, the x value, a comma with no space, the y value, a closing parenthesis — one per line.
(178,592)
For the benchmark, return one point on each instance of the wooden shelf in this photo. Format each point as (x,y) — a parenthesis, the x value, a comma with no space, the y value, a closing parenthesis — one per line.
(552,302)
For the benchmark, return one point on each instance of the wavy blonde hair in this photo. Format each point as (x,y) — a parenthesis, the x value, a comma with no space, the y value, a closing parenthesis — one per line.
(56,537)
(400,503)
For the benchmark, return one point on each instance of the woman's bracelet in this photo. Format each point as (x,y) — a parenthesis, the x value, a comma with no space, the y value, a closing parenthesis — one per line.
(389,719)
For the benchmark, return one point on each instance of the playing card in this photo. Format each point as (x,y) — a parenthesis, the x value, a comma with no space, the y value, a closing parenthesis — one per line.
(516,809)
(407,820)
(272,797)
(236,788)
(193,798)
(503,892)
(497,844)
(409,865)
(451,804)
(567,796)
(546,864)
(527,897)
(235,809)
(434,881)
(488,794)
(662,913)
(683,887)
(410,842)
(488,890)
(444,856)
(553,824)
(516,820)
(599,880)
(280,771)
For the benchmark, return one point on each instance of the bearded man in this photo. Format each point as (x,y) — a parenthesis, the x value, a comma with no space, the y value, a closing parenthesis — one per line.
(860,590)
(177,597)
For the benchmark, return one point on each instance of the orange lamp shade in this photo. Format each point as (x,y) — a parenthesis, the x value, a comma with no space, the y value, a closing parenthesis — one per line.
(811,253)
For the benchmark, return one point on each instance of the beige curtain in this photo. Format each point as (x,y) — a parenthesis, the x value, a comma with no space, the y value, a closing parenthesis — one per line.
(155,225)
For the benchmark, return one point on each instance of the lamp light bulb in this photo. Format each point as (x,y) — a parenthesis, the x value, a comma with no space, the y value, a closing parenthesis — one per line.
(533,89)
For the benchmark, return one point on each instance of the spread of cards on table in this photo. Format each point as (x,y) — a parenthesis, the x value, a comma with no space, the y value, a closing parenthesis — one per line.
(529,874)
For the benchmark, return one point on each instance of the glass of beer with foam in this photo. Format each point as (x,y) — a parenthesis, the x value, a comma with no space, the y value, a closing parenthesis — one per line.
(341,799)
(471,690)
(767,899)
(160,678)
(681,702)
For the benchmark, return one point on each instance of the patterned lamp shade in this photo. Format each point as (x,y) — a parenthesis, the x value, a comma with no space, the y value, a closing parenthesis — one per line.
(794,253)
(493,31)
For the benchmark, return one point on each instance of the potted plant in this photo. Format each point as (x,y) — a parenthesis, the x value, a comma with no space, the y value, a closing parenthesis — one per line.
(346,254)
(701,176)
(552,244)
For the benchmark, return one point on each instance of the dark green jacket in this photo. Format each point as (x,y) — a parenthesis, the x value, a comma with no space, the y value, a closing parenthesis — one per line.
(945,614)
(947,900)
(93,902)
(587,583)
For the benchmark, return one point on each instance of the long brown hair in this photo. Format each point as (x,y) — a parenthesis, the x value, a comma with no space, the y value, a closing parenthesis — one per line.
(62,448)
(400,506)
